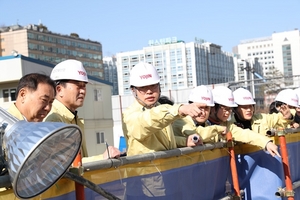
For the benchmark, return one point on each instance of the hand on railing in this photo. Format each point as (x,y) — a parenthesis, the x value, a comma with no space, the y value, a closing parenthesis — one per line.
(194,140)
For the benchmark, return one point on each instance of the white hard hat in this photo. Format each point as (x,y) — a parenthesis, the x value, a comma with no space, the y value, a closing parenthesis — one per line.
(243,97)
(297,90)
(289,97)
(143,74)
(69,70)
(202,94)
(223,96)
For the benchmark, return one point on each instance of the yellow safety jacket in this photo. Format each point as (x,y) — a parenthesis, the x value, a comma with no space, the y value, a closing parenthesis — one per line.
(15,112)
(60,113)
(149,130)
(261,123)
(209,133)
(186,126)
(246,135)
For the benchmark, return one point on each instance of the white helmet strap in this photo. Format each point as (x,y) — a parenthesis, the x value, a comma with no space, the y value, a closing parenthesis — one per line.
(134,91)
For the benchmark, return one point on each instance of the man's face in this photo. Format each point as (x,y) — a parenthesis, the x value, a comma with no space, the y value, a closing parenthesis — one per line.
(203,115)
(224,113)
(72,94)
(148,94)
(37,104)
(245,111)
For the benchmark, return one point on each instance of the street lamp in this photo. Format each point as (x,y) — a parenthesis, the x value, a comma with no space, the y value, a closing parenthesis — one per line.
(38,154)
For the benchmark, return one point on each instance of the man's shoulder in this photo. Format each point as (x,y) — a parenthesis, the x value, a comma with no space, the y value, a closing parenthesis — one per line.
(54,117)
(133,108)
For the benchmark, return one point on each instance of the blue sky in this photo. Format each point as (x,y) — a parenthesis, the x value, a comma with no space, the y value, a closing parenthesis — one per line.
(129,25)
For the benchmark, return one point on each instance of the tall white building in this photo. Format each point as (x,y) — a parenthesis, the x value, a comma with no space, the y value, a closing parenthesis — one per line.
(180,65)
(110,72)
(280,52)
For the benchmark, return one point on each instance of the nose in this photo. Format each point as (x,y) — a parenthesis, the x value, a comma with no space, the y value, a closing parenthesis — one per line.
(48,107)
(82,91)
(149,91)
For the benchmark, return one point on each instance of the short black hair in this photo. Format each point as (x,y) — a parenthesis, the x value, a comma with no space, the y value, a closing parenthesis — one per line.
(165,100)
(31,81)
(272,108)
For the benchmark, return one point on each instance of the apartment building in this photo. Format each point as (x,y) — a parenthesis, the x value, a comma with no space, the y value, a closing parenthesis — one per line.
(36,41)
(180,65)
(280,51)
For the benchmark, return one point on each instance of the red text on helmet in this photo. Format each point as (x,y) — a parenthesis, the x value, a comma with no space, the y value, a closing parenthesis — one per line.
(146,76)
(247,98)
(82,73)
(205,98)
(295,100)
(230,99)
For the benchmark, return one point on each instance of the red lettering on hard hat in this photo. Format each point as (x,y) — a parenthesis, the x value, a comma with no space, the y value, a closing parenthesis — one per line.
(82,73)
(247,98)
(205,98)
(295,100)
(230,99)
(146,76)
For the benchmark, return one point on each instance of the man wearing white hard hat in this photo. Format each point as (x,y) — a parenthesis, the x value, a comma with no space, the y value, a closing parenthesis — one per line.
(71,79)
(188,125)
(146,123)
(219,115)
(245,117)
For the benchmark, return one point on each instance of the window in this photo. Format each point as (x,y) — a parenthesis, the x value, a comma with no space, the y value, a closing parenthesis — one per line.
(97,94)
(100,137)
(5,95)
(12,94)
(9,95)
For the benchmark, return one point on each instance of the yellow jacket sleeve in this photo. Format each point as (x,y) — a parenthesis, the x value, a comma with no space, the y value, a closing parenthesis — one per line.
(149,130)
(247,136)
(186,126)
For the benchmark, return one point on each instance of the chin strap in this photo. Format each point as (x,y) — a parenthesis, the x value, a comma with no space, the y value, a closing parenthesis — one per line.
(146,106)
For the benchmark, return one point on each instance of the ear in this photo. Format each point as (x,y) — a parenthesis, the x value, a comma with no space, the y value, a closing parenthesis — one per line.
(59,90)
(22,94)
(133,90)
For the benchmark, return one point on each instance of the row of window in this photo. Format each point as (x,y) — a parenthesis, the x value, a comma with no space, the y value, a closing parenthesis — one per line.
(57,40)
(260,46)
(9,94)
(259,53)
(64,51)
(52,59)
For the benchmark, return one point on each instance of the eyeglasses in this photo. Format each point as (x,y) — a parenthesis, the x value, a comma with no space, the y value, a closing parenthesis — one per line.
(144,89)
(225,109)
